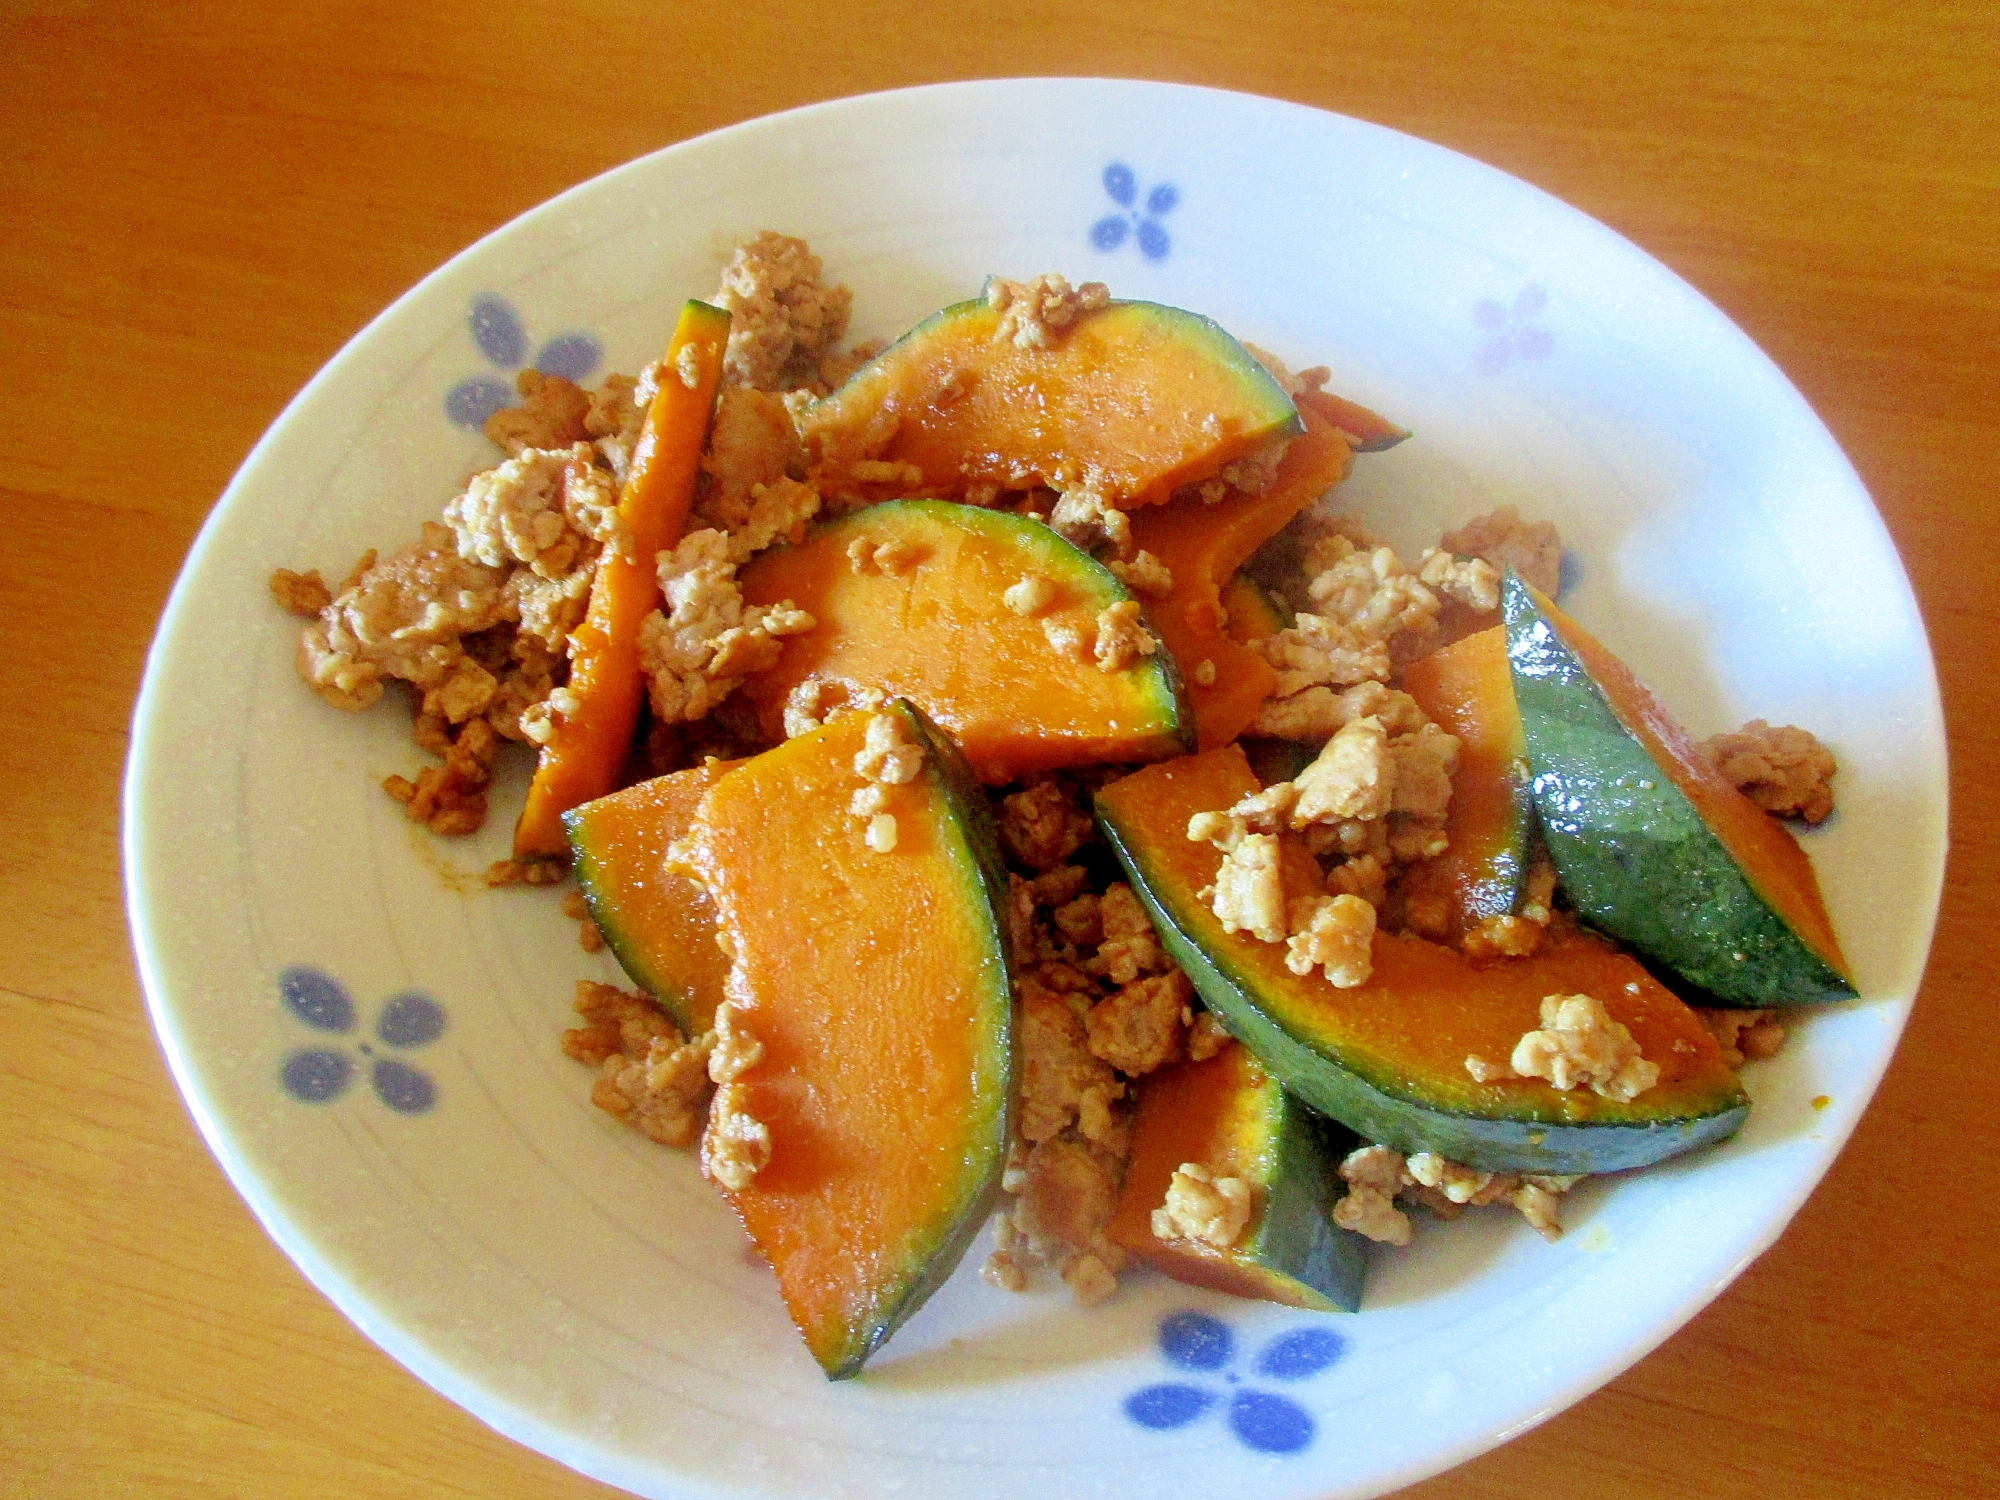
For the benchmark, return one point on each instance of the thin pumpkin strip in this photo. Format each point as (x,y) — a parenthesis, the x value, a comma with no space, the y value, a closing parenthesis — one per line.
(583,761)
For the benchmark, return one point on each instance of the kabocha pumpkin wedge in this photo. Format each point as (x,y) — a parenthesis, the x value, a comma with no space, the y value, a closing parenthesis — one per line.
(1388,1058)
(1202,546)
(1228,1116)
(1467,689)
(912,599)
(871,984)
(606,684)
(1129,400)
(1652,844)
(659,923)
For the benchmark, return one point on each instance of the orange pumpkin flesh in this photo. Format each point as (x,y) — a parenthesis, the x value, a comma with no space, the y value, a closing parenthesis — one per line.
(659,923)
(1202,547)
(939,633)
(1387,1058)
(878,986)
(1130,401)
(1467,689)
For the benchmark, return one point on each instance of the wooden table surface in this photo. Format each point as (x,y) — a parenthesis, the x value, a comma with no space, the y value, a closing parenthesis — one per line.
(203,201)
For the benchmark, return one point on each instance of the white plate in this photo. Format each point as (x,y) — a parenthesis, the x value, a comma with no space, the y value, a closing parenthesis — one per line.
(579,1288)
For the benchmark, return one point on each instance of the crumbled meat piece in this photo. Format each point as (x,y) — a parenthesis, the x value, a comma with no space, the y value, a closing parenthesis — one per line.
(1129,946)
(1502,538)
(1062,884)
(1783,769)
(1503,936)
(1140,1028)
(549,509)
(1579,1044)
(751,443)
(1318,712)
(402,617)
(782,321)
(649,1077)
(614,421)
(1541,890)
(1144,574)
(1007,1266)
(891,558)
(503,872)
(736,1146)
(1744,1035)
(1249,893)
(1374,1175)
(1041,825)
(1473,582)
(1204,673)
(551,415)
(1207,1037)
(1370,592)
(303,594)
(1202,1206)
(820,700)
(708,640)
(587,936)
(1424,763)
(1080,923)
(1065,1191)
(1353,776)
(1030,596)
(615,1021)
(1317,650)
(881,833)
(1086,519)
(1069,638)
(1033,313)
(1269,810)
(1336,933)
(1363,877)
(1121,638)
(451,799)
(1377,1174)
(886,756)
(1058,1068)
(735,1051)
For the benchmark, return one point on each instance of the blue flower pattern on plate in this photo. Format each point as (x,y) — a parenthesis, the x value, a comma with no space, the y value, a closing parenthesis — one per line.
(1260,1419)
(1510,329)
(320,1075)
(1143,226)
(503,338)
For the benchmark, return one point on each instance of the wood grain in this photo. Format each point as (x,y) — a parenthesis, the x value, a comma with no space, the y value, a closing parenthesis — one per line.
(203,201)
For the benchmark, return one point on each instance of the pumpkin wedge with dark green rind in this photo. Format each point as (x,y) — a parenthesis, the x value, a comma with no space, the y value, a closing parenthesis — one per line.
(936,628)
(1229,1115)
(1387,1058)
(1129,401)
(659,924)
(1652,844)
(1467,689)
(878,986)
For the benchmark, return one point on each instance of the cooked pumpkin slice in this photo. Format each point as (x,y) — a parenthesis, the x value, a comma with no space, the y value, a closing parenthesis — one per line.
(1130,401)
(1388,1057)
(1202,546)
(1468,691)
(1651,842)
(876,982)
(922,599)
(659,923)
(1229,1117)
